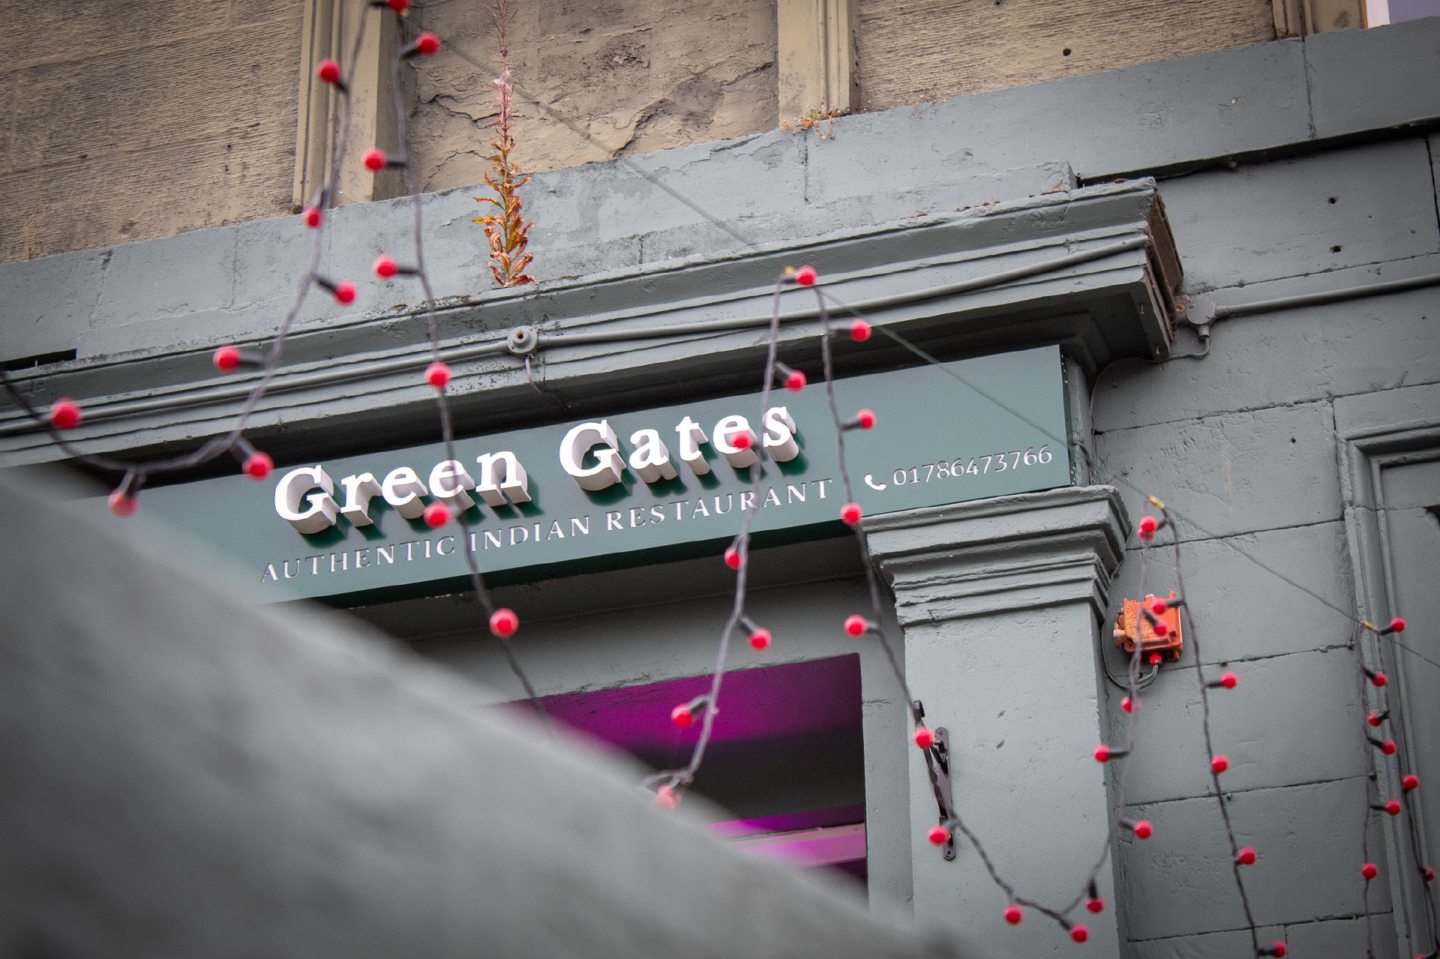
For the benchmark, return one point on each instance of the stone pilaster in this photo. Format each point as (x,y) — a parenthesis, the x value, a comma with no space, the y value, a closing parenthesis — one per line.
(1000,602)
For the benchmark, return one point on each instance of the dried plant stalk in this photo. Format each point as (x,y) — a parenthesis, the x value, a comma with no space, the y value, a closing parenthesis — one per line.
(507,230)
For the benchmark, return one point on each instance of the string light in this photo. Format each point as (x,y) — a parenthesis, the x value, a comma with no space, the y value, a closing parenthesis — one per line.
(793,379)
(436,515)
(342,290)
(504,622)
(65,414)
(437,374)
(1278,948)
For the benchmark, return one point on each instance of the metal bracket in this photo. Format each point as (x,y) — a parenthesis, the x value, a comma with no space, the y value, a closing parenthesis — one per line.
(937,757)
(941,754)
(523,340)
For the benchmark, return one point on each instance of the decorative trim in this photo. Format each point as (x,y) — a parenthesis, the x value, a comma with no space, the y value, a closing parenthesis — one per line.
(1084,273)
(1376,432)
(816,53)
(316,128)
(1004,554)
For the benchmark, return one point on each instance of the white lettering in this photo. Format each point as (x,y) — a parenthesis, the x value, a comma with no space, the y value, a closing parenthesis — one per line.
(691,436)
(726,433)
(448,483)
(402,489)
(291,490)
(502,476)
(359,491)
(651,458)
(780,443)
(581,440)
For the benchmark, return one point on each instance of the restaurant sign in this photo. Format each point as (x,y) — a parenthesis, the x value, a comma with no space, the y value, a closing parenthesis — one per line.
(621,487)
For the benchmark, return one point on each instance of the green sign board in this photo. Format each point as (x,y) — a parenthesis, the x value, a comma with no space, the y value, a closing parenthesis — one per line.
(624,486)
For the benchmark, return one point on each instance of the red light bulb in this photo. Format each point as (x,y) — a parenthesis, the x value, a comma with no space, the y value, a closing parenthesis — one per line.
(122,504)
(741,441)
(1278,949)
(682,716)
(1369,870)
(258,465)
(1148,526)
(1388,747)
(345,292)
(1144,829)
(437,374)
(1161,629)
(385,266)
(1375,719)
(1219,764)
(1158,606)
(504,622)
(1246,857)
(328,71)
(1096,905)
(428,44)
(938,835)
(1079,933)
(227,359)
(1013,915)
(1397,625)
(1155,659)
(924,737)
(851,513)
(374,160)
(437,515)
(860,331)
(795,381)
(1229,680)
(1380,679)
(866,419)
(760,639)
(1393,807)
(1410,782)
(1102,753)
(311,216)
(1127,704)
(856,625)
(1428,873)
(805,276)
(732,557)
(65,414)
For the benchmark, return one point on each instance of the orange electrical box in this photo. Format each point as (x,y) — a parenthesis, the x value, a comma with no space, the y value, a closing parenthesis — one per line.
(1158,632)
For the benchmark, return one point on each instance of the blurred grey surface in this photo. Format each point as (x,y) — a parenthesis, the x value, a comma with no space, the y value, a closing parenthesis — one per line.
(185,774)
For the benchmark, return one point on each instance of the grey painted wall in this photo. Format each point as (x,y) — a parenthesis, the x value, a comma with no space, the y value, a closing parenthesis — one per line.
(1289,168)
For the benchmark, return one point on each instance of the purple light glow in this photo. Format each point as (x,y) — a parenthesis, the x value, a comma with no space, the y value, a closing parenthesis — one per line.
(790,701)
